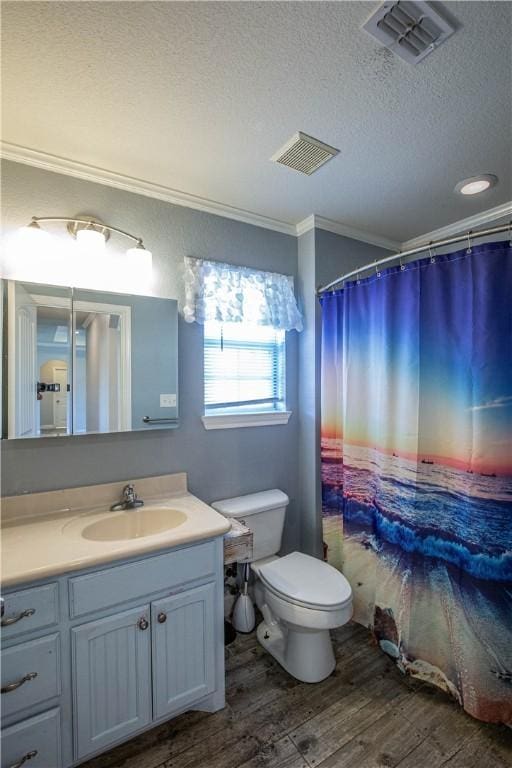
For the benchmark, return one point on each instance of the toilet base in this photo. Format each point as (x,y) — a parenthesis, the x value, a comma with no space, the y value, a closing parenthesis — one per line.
(306,654)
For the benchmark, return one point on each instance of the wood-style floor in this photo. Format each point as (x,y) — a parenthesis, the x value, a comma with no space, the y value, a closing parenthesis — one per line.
(366,715)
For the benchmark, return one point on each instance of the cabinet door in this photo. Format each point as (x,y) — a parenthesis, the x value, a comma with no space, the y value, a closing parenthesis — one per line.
(183,649)
(112,679)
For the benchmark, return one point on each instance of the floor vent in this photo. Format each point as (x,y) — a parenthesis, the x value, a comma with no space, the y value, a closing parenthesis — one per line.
(304,153)
(412,30)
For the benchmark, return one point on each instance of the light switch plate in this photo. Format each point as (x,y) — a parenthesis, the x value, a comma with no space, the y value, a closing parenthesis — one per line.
(167,401)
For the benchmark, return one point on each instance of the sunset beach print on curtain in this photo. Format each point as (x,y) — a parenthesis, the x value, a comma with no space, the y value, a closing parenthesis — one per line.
(417,466)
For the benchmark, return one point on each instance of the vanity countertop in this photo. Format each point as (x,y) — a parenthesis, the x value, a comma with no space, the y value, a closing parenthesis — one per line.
(50,543)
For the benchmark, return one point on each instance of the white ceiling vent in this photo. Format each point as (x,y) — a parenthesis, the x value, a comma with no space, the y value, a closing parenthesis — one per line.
(410,29)
(304,153)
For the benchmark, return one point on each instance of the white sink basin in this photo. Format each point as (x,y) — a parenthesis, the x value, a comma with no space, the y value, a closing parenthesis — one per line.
(134,524)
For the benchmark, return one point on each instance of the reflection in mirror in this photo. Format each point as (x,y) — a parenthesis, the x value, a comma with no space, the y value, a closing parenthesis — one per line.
(102,397)
(125,362)
(39,367)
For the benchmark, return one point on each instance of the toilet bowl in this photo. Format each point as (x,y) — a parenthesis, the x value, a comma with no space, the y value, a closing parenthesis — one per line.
(301,598)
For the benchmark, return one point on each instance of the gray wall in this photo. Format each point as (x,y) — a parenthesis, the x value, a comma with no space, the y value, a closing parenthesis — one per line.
(336,254)
(309,398)
(322,257)
(219,463)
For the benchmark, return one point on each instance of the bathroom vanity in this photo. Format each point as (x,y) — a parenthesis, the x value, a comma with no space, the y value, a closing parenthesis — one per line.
(104,638)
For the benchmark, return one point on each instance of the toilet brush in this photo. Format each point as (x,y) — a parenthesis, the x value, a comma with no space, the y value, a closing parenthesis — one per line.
(243,613)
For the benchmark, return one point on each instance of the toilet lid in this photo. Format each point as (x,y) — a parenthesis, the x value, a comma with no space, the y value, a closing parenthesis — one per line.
(306,580)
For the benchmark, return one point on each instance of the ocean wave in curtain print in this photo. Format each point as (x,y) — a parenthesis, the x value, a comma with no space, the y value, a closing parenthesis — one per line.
(417,466)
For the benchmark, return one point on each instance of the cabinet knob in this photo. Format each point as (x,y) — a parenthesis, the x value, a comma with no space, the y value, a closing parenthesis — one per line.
(143,623)
(162,618)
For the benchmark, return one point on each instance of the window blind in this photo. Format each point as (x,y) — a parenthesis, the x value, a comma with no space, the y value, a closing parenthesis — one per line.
(244,368)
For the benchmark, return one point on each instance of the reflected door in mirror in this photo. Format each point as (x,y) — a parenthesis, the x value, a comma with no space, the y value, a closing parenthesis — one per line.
(39,360)
(102,380)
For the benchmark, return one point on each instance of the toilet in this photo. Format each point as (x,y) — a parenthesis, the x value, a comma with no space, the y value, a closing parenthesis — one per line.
(301,598)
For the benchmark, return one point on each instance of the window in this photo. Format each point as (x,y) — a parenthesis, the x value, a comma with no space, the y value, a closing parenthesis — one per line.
(245,314)
(244,369)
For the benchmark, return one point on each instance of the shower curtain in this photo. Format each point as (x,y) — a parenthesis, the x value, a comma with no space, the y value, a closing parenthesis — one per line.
(417,466)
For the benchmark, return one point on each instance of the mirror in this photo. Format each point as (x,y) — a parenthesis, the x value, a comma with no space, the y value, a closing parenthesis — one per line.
(79,361)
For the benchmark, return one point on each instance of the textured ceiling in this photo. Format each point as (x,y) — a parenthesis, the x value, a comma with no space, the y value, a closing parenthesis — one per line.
(198,96)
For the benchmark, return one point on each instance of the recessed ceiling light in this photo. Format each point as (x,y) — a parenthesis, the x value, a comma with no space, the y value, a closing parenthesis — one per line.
(476,184)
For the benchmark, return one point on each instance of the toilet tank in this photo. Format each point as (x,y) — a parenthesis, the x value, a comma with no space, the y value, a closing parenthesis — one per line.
(264,514)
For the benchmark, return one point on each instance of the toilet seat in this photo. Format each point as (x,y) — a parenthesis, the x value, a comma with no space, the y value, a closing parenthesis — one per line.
(305,581)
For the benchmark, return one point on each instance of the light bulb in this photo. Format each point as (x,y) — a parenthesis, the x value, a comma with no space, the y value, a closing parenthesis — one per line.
(27,254)
(91,240)
(139,267)
(33,234)
(476,184)
(93,264)
(474,187)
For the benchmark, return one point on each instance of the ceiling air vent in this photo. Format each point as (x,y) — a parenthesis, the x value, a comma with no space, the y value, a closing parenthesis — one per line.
(304,153)
(412,30)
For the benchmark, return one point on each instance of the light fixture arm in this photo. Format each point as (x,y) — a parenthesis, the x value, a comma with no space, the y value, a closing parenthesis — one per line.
(89,223)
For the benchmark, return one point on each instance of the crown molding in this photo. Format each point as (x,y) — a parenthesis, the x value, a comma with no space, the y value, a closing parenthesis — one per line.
(319,222)
(306,225)
(48,162)
(463,225)
(56,164)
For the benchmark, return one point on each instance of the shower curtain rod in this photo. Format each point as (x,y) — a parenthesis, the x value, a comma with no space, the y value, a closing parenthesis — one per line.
(402,254)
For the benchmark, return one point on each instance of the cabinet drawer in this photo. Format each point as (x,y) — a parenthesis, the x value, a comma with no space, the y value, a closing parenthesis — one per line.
(30,674)
(39,734)
(29,609)
(113,586)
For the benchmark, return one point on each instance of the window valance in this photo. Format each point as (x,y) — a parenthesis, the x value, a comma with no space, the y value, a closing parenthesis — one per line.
(230,294)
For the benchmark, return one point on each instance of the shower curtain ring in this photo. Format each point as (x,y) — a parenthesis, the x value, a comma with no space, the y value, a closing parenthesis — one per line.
(377,270)
(432,257)
(468,252)
(510,233)
(402,265)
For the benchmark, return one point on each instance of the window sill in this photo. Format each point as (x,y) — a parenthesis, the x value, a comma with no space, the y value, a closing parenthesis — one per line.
(235,420)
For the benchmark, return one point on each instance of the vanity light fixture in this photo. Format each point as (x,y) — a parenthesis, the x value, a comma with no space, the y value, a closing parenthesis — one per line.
(476,184)
(91,232)
(39,250)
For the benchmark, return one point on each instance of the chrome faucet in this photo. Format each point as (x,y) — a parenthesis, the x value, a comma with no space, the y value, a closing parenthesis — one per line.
(130,500)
